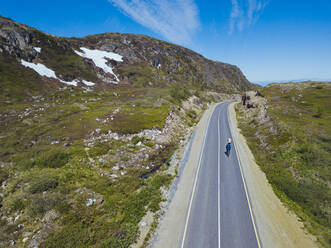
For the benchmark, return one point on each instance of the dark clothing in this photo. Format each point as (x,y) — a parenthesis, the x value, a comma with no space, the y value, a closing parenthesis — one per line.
(228,148)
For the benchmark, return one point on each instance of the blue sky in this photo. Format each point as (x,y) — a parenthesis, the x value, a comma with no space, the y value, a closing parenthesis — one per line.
(269,40)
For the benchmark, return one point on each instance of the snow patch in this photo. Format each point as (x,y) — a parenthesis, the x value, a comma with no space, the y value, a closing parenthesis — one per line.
(38,49)
(74,83)
(99,59)
(88,83)
(40,69)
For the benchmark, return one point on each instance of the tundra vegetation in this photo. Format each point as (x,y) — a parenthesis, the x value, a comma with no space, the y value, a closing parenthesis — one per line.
(290,139)
(81,166)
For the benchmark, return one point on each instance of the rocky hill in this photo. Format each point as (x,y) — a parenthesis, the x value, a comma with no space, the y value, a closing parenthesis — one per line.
(141,61)
(90,132)
(288,127)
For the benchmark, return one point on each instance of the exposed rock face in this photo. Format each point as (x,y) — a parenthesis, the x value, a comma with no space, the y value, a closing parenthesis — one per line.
(252,99)
(146,61)
(256,107)
(171,59)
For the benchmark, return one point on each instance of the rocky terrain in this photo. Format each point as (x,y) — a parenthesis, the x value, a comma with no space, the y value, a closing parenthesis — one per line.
(287,127)
(146,61)
(88,132)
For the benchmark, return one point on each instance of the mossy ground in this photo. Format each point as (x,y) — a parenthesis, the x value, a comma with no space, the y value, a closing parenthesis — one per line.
(297,160)
(42,174)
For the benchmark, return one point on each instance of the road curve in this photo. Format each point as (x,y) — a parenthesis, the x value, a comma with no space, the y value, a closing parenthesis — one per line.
(219,212)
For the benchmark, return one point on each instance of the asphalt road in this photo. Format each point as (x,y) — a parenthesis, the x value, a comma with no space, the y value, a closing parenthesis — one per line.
(219,214)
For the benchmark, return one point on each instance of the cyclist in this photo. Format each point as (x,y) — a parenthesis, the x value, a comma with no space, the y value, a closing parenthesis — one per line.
(228,147)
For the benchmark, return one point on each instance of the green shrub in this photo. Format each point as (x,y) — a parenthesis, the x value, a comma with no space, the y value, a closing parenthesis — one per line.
(133,120)
(100,148)
(123,238)
(318,113)
(197,93)
(63,207)
(155,202)
(313,154)
(149,143)
(55,158)
(136,139)
(3,175)
(43,184)
(179,93)
(26,164)
(124,158)
(75,235)
(39,205)
(192,114)
(161,180)
(17,204)
(134,205)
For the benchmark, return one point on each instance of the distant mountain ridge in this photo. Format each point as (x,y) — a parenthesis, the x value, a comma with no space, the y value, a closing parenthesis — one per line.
(265,83)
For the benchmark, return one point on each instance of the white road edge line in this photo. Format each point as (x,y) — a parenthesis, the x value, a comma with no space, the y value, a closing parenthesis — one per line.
(196,179)
(219,182)
(244,182)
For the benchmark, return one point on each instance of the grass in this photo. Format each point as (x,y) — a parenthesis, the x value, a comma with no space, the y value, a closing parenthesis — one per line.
(3,175)
(297,159)
(140,74)
(43,184)
(136,119)
(44,176)
(116,224)
(179,93)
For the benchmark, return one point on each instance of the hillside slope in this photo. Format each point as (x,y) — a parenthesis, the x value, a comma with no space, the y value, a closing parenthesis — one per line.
(288,130)
(88,128)
(146,61)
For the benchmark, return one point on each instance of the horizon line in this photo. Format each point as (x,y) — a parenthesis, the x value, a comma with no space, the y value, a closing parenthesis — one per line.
(266,82)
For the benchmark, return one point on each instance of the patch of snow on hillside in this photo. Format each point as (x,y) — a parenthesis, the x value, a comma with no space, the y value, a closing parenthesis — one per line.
(38,49)
(74,83)
(99,59)
(40,69)
(44,71)
(88,83)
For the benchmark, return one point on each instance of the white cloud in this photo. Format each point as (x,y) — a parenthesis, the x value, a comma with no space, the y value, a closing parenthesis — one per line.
(176,20)
(245,13)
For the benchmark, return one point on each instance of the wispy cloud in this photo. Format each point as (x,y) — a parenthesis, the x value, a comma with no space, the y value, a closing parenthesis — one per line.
(176,20)
(245,13)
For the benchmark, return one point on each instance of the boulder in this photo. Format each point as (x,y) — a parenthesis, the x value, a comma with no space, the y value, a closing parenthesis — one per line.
(90,201)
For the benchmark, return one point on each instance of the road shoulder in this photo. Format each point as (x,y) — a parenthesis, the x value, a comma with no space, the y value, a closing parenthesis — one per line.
(277,226)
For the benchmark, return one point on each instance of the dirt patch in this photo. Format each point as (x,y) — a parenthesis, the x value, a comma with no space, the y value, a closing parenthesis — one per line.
(144,227)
